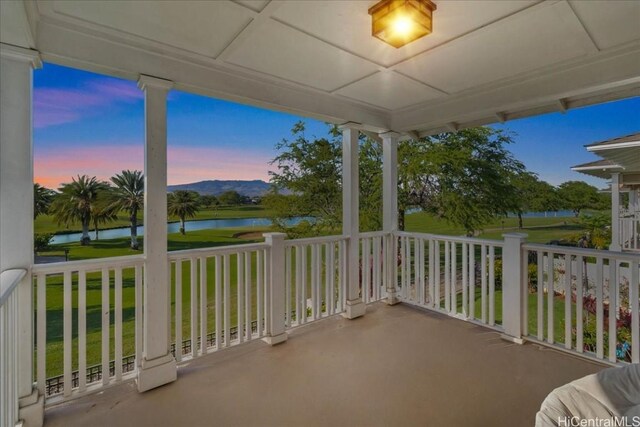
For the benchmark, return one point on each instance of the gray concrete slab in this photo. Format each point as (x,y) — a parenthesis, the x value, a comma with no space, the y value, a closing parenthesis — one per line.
(396,366)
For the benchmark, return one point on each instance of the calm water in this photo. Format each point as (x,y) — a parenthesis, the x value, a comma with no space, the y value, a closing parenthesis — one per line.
(174,227)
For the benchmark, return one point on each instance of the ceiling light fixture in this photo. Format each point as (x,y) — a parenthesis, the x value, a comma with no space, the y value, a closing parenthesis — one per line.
(399,22)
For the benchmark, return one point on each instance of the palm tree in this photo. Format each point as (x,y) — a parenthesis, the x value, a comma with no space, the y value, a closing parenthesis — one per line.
(128,195)
(42,198)
(76,201)
(183,204)
(102,211)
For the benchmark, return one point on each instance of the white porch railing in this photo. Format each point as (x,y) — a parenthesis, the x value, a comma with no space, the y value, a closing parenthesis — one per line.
(630,233)
(217,280)
(89,315)
(90,335)
(9,280)
(373,268)
(585,301)
(315,286)
(454,275)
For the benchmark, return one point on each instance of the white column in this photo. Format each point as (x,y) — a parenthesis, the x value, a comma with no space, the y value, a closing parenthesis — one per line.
(615,212)
(513,269)
(16,208)
(275,291)
(390,206)
(158,366)
(351,219)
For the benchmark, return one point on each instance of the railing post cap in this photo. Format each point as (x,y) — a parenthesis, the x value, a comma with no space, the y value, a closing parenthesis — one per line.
(274,235)
(519,236)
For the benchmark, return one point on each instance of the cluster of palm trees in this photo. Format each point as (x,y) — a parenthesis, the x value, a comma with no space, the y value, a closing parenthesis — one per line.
(91,202)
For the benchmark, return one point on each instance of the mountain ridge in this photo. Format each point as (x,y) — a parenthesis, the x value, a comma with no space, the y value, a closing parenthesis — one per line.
(215,187)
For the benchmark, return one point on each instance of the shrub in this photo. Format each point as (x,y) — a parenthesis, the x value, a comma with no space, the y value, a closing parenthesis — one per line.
(42,242)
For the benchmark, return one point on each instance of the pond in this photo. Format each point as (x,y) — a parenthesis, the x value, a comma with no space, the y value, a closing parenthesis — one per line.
(174,227)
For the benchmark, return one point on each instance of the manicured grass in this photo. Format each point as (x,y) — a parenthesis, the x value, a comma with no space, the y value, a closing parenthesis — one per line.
(539,230)
(47,223)
(532,319)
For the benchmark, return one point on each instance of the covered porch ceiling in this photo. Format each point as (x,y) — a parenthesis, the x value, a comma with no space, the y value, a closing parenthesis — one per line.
(486,61)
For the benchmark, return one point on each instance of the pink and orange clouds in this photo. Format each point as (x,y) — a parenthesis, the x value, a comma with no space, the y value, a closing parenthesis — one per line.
(185,163)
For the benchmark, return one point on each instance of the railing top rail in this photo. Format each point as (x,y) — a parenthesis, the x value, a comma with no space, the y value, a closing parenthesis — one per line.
(595,253)
(219,250)
(370,234)
(88,264)
(9,279)
(457,239)
(312,240)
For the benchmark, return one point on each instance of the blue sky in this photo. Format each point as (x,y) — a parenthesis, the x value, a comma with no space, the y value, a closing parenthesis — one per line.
(93,124)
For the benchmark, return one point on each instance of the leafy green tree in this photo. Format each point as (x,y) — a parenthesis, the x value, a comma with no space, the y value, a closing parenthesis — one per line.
(42,198)
(578,195)
(183,204)
(231,198)
(311,170)
(209,201)
(128,196)
(533,195)
(76,202)
(463,177)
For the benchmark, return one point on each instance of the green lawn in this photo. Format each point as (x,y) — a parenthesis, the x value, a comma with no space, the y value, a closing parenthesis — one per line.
(540,230)
(47,224)
(532,303)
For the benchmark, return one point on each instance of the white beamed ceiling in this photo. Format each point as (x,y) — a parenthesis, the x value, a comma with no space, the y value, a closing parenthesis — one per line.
(485,60)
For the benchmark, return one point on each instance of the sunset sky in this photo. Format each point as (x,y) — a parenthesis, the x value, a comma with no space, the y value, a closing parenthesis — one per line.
(86,123)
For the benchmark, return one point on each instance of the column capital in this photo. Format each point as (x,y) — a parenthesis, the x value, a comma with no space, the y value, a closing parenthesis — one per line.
(145,81)
(350,125)
(21,54)
(390,135)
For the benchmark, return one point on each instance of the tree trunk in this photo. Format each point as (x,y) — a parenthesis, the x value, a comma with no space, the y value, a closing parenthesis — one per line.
(85,239)
(182,230)
(134,230)
(520,226)
(401,219)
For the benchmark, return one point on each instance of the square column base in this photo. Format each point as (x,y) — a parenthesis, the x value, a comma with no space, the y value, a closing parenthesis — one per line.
(276,339)
(355,308)
(157,372)
(512,339)
(31,412)
(392,297)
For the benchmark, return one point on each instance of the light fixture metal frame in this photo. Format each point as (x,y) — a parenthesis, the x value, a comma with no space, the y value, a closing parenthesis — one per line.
(386,12)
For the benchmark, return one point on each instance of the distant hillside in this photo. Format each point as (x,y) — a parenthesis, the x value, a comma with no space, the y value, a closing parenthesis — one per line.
(217,187)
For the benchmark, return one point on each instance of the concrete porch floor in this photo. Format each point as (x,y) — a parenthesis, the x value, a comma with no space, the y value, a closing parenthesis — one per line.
(396,366)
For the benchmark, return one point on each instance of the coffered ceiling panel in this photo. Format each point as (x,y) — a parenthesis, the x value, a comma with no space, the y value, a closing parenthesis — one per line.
(390,90)
(610,23)
(347,24)
(281,51)
(205,28)
(256,5)
(540,36)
